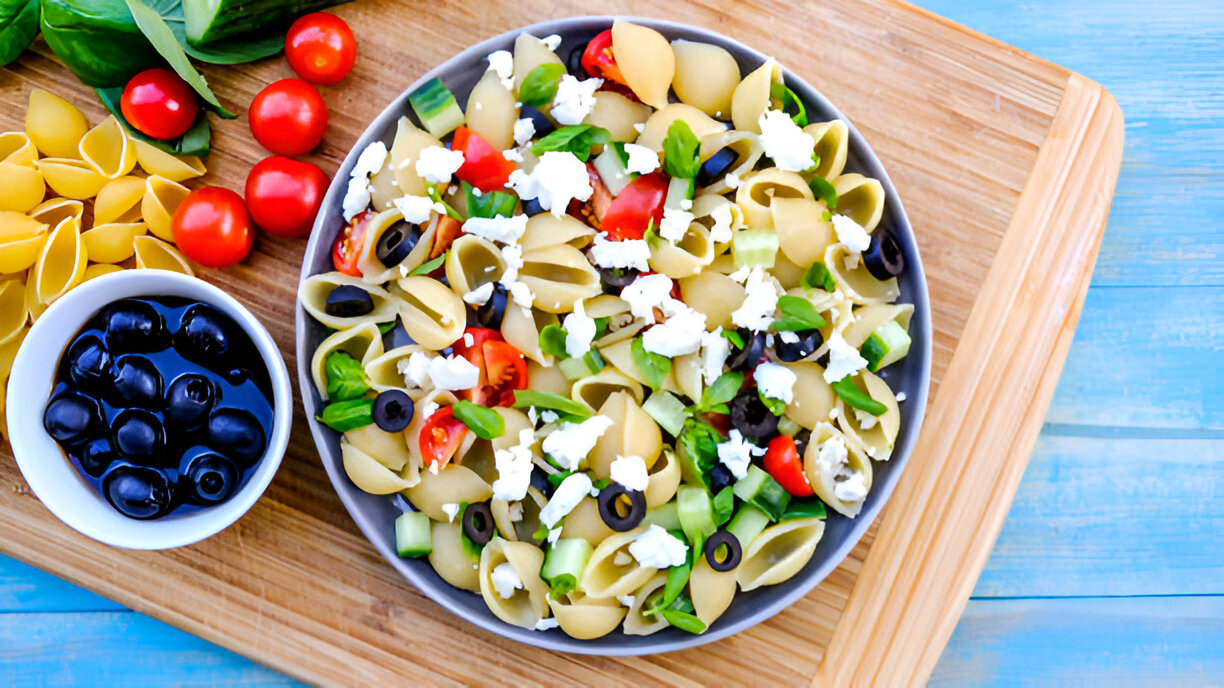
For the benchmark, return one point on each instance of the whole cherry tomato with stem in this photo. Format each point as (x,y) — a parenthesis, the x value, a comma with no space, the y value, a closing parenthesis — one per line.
(321,48)
(288,117)
(212,227)
(283,195)
(159,104)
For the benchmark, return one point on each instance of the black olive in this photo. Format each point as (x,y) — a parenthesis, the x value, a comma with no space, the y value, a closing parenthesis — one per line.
(137,382)
(543,127)
(532,207)
(573,63)
(393,410)
(801,441)
(189,400)
(478,523)
(236,433)
(734,552)
(751,417)
(209,478)
(72,418)
(348,301)
(883,257)
(617,278)
(809,342)
(720,477)
(750,355)
(716,166)
(88,363)
(137,491)
(620,508)
(133,326)
(97,456)
(490,313)
(139,436)
(396,242)
(205,334)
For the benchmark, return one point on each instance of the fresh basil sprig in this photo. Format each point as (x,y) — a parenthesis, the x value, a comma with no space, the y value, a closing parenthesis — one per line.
(567,409)
(343,416)
(680,151)
(539,87)
(429,266)
(483,421)
(775,406)
(346,378)
(798,315)
(818,277)
(653,367)
(857,398)
(552,341)
(822,189)
(576,138)
(789,101)
(159,33)
(715,397)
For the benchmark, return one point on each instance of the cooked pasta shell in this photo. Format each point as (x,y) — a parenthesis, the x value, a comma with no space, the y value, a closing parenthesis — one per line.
(13,313)
(33,306)
(548,378)
(21,187)
(751,97)
(778,553)
(748,151)
(686,257)
(803,233)
(529,53)
(432,314)
(16,148)
(453,484)
(159,163)
(545,229)
(788,275)
(812,398)
(384,189)
(637,623)
(472,262)
(686,375)
(715,296)
(618,114)
(405,149)
(869,318)
(61,263)
(387,448)
(372,269)
(646,60)
(107,149)
(491,111)
(526,606)
(52,211)
(367,473)
(54,125)
(71,178)
(662,483)
(15,226)
(612,571)
(824,476)
(559,276)
(655,129)
(758,191)
(706,205)
(710,590)
(521,327)
(99,269)
(363,343)
(860,199)
(315,290)
(8,351)
(161,198)
(113,242)
(619,332)
(877,439)
(585,617)
(706,77)
(586,523)
(518,521)
(605,306)
(633,433)
(450,559)
(119,201)
(832,145)
(593,391)
(384,372)
(858,284)
(154,254)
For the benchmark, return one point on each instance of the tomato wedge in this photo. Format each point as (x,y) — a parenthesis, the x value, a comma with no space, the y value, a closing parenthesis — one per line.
(598,60)
(502,367)
(638,205)
(347,249)
(440,437)
(484,167)
(783,463)
(447,230)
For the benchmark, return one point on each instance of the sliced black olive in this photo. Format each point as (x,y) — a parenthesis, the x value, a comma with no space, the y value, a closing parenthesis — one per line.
(716,166)
(348,301)
(88,363)
(809,342)
(395,244)
(543,127)
(72,418)
(236,433)
(137,491)
(206,334)
(720,477)
(188,401)
(209,478)
(573,63)
(97,456)
(750,355)
(393,410)
(801,441)
(532,207)
(732,555)
(139,437)
(490,313)
(751,417)
(137,382)
(617,278)
(133,326)
(620,508)
(478,523)
(883,257)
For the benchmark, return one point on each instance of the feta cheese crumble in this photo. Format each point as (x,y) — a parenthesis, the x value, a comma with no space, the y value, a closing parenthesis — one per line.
(502,62)
(757,311)
(736,454)
(714,352)
(775,381)
(642,160)
(674,224)
(451,510)
(865,420)
(452,373)
(629,471)
(524,131)
(843,359)
(900,397)
(569,444)
(579,331)
(435,164)
(415,369)
(574,99)
(514,468)
(546,624)
(789,337)
(480,295)
(851,234)
(679,334)
(852,489)
(720,233)
(646,293)
(505,580)
(415,209)
(732,180)
(551,41)
(357,195)
(557,179)
(629,253)
(568,495)
(504,230)
(657,548)
(784,142)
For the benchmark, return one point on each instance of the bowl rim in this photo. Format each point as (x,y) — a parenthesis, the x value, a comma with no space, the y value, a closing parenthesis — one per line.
(60,486)
(802,583)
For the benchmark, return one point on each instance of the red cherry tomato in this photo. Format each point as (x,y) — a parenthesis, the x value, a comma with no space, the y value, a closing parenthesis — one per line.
(320,47)
(159,104)
(211,227)
(783,463)
(346,251)
(447,230)
(283,195)
(636,207)
(288,117)
(440,437)
(598,60)
(484,167)
(502,367)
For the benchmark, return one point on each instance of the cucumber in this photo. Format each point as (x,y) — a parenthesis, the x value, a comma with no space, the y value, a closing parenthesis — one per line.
(810,507)
(666,516)
(888,344)
(696,513)
(788,427)
(747,523)
(754,248)
(759,489)
(210,20)
(435,106)
(564,564)
(587,364)
(679,189)
(413,534)
(612,170)
(667,411)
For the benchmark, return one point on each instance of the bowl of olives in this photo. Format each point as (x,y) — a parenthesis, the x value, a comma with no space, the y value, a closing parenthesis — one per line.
(148,409)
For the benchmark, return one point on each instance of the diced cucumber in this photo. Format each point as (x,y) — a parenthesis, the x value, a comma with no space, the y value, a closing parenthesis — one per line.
(788,427)
(810,507)
(666,516)
(210,20)
(759,489)
(667,411)
(435,106)
(564,564)
(612,170)
(888,344)
(679,189)
(747,523)
(587,364)
(413,534)
(754,248)
(696,513)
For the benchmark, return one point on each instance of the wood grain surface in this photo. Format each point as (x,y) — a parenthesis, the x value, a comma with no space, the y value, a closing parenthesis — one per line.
(295,586)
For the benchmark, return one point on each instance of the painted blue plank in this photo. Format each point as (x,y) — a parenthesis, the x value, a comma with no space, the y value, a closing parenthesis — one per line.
(1156,641)
(24,588)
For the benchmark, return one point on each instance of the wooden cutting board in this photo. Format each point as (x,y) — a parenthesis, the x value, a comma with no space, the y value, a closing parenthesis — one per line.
(1006,165)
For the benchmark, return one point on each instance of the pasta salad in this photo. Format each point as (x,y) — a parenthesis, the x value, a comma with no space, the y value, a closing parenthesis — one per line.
(611,331)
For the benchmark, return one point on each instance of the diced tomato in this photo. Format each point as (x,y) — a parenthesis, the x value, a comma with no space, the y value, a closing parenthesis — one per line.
(639,205)
(447,230)
(502,367)
(719,421)
(598,60)
(782,461)
(346,252)
(592,210)
(484,167)
(440,437)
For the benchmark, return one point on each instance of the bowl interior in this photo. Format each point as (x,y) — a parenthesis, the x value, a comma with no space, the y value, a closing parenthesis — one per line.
(375,515)
(51,475)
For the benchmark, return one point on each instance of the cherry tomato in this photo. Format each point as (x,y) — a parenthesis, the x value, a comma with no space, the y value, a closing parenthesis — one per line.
(211,227)
(598,60)
(440,437)
(484,167)
(283,195)
(320,47)
(502,367)
(783,463)
(447,230)
(347,249)
(159,104)
(288,117)
(637,205)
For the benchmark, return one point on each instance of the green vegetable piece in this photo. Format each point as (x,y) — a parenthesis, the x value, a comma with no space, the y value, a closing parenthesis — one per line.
(612,171)
(667,411)
(754,248)
(18,28)
(809,507)
(564,563)
(775,406)
(195,142)
(481,420)
(556,479)
(698,452)
(601,326)
(677,578)
(759,489)
(696,511)
(789,101)
(567,409)
(684,621)
(724,505)
(798,315)
(210,21)
(435,106)
(888,344)
(665,516)
(818,277)
(721,391)
(489,204)
(653,367)
(680,149)
(434,192)
(540,85)
(822,189)
(788,427)
(346,379)
(164,41)
(429,266)
(679,190)
(384,328)
(733,337)
(577,139)
(343,416)
(747,524)
(552,341)
(852,395)
(413,534)
(588,364)
(97,39)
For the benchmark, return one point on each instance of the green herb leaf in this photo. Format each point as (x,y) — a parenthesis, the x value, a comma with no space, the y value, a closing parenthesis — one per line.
(734,337)
(724,505)
(601,483)
(556,479)
(159,33)
(489,204)
(680,151)
(567,409)
(822,189)
(789,102)
(552,341)
(563,583)
(684,621)
(429,266)
(229,51)
(775,406)
(540,85)
(873,352)
(194,142)
(852,395)
(798,315)
(677,578)
(577,139)
(700,442)
(343,416)
(804,508)
(818,276)
(650,235)
(601,326)
(18,28)
(346,378)
(384,328)
(653,367)
(434,191)
(721,390)
(481,420)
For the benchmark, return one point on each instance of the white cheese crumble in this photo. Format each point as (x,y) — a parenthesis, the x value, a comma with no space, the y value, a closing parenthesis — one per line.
(833,413)
(851,234)
(415,369)
(512,256)
(524,130)
(521,293)
(574,99)
(789,337)
(480,295)
(514,154)
(657,548)
(900,397)
(551,41)
(514,468)
(626,600)
(757,311)
(579,331)
(736,454)
(554,535)
(720,233)
(451,510)
(548,416)
(629,253)
(568,495)
(865,420)
(357,195)
(843,359)
(546,624)
(714,352)
(505,580)
(674,224)
(505,230)
(557,179)
(646,293)
(639,127)
(629,471)
(502,62)
(679,334)
(569,444)
(785,142)
(436,164)
(732,180)
(852,489)
(741,275)
(642,160)
(775,381)
(453,373)
(415,209)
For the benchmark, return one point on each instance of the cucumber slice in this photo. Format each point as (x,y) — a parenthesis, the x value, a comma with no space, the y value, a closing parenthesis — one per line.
(754,248)
(667,411)
(587,364)
(788,427)
(747,523)
(612,170)
(759,489)
(696,513)
(211,20)
(413,534)
(564,564)
(435,106)
(679,189)
(888,344)
(666,516)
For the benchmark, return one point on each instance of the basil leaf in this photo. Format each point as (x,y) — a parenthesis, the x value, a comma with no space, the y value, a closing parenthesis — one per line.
(822,189)
(724,505)
(230,51)
(798,315)
(700,441)
(540,85)
(195,142)
(556,479)
(721,390)
(489,204)
(684,621)
(552,341)
(677,578)
(775,406)
(566,408)
(481,420)
(343,416)
(434,192)
(601,327)
(577,139)
(18,28)
(852,395)
(159,33)
(428,266)
(346,378)
(789,101)
(653,367)
(733,337)
(818,276)
(680,148)
(804,508)
(601,483)
(562,583)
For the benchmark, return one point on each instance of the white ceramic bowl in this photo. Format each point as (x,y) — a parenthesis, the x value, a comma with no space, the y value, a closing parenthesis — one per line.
(53,477)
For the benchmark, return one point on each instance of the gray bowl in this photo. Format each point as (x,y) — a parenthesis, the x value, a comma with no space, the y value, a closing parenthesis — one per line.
(375,515)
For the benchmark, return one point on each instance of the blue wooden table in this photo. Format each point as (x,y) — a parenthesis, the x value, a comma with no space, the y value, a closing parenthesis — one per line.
(1110,568)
